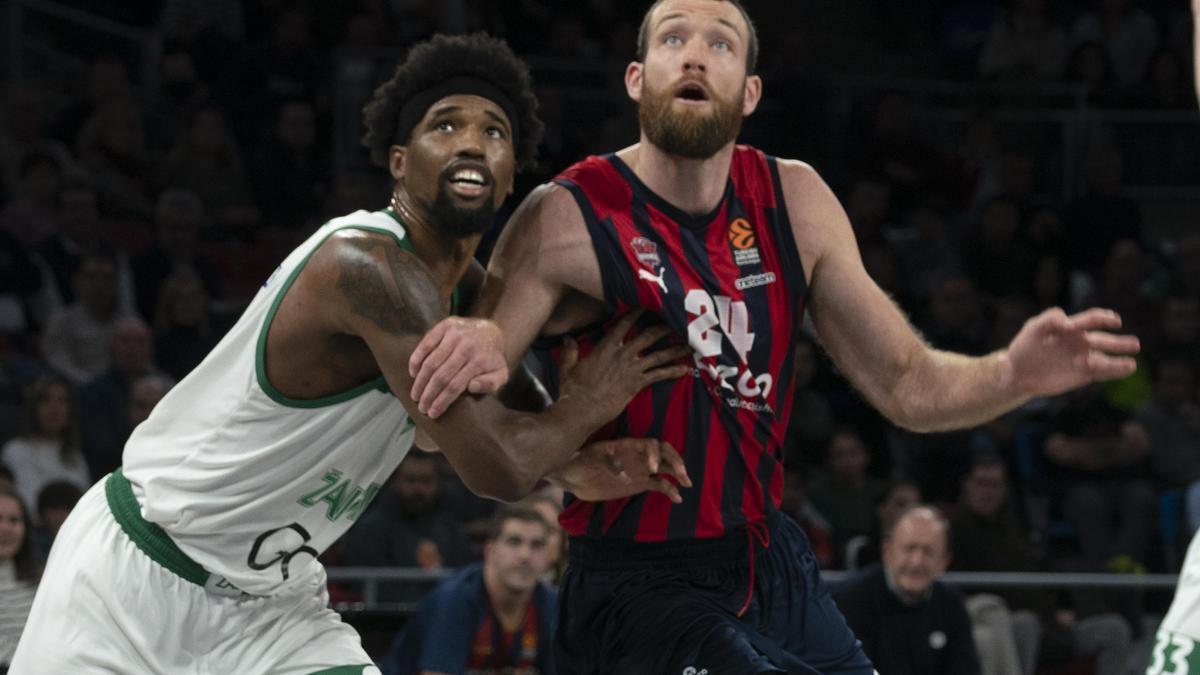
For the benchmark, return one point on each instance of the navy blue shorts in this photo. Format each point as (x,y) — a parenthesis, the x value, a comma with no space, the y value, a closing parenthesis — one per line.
(674,607)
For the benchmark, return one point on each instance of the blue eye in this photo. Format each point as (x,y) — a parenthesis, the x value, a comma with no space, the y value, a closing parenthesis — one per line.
(722,45)
(672,40)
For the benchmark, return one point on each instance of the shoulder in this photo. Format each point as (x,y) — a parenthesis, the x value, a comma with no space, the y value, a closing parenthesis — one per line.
(464,588)
(798,177)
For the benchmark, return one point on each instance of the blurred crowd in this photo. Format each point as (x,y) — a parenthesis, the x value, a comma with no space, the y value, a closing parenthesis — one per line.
(143,203)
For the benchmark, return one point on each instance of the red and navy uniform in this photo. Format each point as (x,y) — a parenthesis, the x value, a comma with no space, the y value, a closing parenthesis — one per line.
(722,583)
(732,283)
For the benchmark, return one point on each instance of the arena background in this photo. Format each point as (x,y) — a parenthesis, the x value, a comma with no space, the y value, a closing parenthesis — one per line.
(991,169)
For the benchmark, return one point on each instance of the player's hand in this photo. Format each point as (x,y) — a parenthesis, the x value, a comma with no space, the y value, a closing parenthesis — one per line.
(1054,353)
(457,355)
(602,384)
(625,467)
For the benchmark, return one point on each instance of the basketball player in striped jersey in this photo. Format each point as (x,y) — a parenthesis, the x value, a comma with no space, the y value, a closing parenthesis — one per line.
(731,247)
(200,554)
(1175,642)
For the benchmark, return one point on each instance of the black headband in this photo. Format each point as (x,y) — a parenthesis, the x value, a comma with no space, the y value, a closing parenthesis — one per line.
(415,108)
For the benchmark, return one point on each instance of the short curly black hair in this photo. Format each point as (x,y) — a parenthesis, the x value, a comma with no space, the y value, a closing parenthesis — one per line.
(439,59)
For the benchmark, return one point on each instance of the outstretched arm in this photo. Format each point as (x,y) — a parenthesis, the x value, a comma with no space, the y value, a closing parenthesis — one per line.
(914,385)
(387,298)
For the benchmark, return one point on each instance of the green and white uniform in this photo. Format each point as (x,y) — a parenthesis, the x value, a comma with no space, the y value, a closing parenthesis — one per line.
(1176,645)
(230,491)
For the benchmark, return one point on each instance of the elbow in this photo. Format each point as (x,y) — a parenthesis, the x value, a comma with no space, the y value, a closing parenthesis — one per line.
(500,483)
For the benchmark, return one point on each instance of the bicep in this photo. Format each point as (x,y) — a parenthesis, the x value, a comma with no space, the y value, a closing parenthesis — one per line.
(528,270)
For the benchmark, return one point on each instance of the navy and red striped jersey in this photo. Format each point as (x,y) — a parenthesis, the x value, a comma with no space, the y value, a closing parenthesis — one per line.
(731,282)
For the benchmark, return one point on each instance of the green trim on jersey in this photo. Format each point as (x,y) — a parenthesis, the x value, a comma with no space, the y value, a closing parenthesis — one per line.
(260,364)
(147,536)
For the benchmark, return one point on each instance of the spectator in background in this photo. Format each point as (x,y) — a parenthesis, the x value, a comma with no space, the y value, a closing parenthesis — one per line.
(54,504)
(986,536)
(909,622)
(77,339)
(20,569)
(144,394)
(80,232)
(1179,326)
(931,251)
(1128,33)
(954,321)
(22,288)
(1172,419)
(1102,216)
(183,335)
(104,402)
(491,618)
(843,492)
(112,146)
(206,160)
(1165,85)
(178,94)
(178,216)
(405,528)
(23,134)
(107,80)
(48,448)
(1101,455)
(1024,44)
(289,171)
(998,260)
(30,214)
(548,502)
(901,495)
(1050,286)
(1089,66)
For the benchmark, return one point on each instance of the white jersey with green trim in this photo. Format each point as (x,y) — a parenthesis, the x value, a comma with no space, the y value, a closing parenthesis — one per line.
(1175,651)
(251,484)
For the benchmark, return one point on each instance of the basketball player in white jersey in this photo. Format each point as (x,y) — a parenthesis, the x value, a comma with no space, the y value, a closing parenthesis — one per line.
(1175,651)
(200,554)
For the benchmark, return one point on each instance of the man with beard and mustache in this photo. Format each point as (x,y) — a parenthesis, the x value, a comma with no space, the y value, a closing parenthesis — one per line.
(728,246)
(200,554)
(494,618)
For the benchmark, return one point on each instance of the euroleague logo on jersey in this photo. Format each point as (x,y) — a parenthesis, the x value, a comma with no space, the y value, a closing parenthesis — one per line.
(742,241)
(740,234)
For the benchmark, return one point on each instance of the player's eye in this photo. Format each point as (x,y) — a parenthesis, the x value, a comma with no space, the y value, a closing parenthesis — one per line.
(722,46)
(495,132)
(672,40)
(444,125)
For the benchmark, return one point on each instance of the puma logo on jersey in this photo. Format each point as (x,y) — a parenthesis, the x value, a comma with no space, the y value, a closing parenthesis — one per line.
(662,272)
(343,496)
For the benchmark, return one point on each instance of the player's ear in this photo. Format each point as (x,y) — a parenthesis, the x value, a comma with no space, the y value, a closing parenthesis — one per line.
(633,80)
(753,95)
(396,156)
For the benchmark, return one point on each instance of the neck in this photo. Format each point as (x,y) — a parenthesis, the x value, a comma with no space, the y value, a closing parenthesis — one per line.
(509,605)
(694,185)
(446,257)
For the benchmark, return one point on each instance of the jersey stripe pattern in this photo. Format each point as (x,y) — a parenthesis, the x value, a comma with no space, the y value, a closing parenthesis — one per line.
(731,283)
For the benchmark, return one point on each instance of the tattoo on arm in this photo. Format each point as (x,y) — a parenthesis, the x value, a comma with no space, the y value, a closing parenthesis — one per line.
(401,300)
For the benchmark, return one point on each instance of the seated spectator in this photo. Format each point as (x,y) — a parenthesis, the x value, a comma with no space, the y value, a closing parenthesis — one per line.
(183,335)
(1128,33)
(1026,625)
(54,504)
(843,492)
(1100,453)
(77,339)
(207,161)
(112,145)
(104,402)
(20,569)
(48,450)
(1173,421)
(811,424)
(178,217)
(495,617)
(289,173)
(405,527)
(909,622)
(29,215)
(548,502)
(1024,44)
(22,288)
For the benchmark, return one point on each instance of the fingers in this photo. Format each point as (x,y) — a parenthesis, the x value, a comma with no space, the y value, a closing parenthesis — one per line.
(489,383)
(674,464)
(443,367)
(448,394)
(666,487)
(671,372)
(425,347)
(617,332)
(1095,319)
(657,358)
(1113,344)
(648,337)
(1105,367)
(614,463)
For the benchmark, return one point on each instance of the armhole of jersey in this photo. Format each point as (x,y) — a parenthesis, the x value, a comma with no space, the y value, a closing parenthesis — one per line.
(610,267)
(260,352)
(789,250)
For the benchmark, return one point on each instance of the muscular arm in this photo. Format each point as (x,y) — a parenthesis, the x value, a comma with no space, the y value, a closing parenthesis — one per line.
(914,385)
(386,297)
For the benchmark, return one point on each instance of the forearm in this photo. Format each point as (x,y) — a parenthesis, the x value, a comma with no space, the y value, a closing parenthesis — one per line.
(941,391)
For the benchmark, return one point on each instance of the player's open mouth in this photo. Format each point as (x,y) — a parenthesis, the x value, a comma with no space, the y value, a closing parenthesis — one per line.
(692,93)
(469,181)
